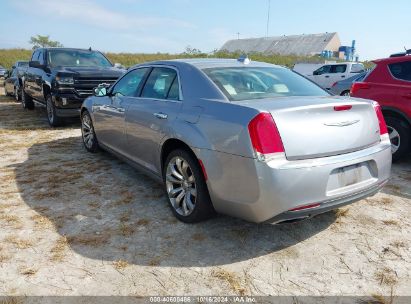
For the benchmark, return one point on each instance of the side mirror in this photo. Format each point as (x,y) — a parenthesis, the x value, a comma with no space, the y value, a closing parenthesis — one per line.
(36,64)
(316,73)
(100,91)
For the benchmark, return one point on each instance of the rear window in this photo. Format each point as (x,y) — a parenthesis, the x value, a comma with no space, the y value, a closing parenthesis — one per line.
(357,68)
(401,70)
(262,82)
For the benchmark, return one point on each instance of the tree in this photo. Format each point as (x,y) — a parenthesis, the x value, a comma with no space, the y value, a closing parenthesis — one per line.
(192,51)
(43,41)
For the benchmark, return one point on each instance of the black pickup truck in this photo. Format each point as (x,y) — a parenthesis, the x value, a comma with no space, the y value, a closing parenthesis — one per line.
(61,78)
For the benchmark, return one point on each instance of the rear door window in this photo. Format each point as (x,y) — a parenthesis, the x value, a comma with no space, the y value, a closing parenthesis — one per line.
(325,69)
(338,68)
(401,70)
(162,84)
(357,68)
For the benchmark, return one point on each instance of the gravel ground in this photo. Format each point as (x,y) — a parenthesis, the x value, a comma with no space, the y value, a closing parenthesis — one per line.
(80,224)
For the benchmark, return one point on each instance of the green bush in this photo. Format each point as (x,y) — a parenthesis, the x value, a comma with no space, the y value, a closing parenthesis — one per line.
(9,56)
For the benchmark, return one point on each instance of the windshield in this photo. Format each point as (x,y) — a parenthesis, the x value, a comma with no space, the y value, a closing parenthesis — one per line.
(77,58)
(261,82)
(23,64)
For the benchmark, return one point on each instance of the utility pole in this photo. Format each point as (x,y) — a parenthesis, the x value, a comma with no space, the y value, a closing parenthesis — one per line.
(268,17)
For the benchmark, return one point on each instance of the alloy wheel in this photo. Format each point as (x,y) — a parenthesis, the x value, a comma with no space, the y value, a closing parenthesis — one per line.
(395,139)
(181,186)
(87,131)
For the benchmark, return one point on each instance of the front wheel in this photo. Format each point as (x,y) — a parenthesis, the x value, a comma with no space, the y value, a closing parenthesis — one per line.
(400,137)
(52,117)
(186,187)
(88,134)
(345,93)
(16,94)
(26,100)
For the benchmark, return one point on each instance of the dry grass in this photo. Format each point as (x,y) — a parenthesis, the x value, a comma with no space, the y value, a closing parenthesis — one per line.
(4,258)
(120,264)
(11,300)
(231,278)
(41,222)
(143,222)
(198,237)
(46,194)
(125,199)
(386,200)
(154,262)
(11,220)
(92,240)
(59,249)
(386,276)
(126,230)
(391,223)
(399,244)
(19,243)
(28,271)
(339,213)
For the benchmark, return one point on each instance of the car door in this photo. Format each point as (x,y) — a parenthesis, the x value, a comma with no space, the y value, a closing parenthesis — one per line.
(109,111)
(320,75)
(149,118)
(9,82)
(337,72)
(38,75)
(29,76)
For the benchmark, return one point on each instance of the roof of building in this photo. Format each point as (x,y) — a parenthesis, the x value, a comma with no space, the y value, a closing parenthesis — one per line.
(283,45)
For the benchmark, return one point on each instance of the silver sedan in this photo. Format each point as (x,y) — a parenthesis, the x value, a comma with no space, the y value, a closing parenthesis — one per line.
(246,139)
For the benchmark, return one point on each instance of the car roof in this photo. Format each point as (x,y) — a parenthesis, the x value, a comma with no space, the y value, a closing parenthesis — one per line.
(393,59)
(66,49)
(205,63)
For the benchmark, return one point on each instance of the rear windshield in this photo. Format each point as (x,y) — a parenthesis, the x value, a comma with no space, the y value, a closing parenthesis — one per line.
(245,83)
(77,58)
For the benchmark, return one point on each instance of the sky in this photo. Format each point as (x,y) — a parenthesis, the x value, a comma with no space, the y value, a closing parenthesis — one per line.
(380,27)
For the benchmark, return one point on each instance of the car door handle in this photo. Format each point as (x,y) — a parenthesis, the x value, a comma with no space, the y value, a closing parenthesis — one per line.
(160,115)
(343,76)
(327,76)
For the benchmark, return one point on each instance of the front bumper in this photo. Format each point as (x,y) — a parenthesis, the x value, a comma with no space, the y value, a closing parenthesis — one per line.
(67,105)
(260,192)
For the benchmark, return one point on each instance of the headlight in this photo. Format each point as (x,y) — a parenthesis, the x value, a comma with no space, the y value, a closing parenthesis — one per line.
(65,80)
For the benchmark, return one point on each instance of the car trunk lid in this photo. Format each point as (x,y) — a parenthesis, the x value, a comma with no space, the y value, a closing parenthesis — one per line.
(312,127)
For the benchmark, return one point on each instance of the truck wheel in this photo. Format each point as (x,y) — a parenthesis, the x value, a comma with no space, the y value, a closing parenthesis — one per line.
(16,94)
(53,118)
(26,100)
(400,137)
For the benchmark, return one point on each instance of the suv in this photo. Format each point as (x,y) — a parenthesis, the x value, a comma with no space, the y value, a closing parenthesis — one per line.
(389,83)
(61,78)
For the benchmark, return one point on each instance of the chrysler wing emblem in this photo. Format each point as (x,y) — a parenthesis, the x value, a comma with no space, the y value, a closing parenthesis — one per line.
(342,123)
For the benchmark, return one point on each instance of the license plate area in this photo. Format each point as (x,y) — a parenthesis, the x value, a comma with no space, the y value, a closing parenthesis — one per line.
(351,177)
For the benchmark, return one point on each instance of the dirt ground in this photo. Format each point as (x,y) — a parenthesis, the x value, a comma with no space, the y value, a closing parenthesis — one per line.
(73,223)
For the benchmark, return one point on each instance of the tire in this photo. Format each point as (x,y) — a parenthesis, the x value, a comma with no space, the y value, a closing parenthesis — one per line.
(345,93)
(26,100)
(192,203)
(16,94)
(88,134)
(52,117)
(400,136)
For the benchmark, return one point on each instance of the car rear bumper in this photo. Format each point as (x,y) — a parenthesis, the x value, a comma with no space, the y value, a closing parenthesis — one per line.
(261,192)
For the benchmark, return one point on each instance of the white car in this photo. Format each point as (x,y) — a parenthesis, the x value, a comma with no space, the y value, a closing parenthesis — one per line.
(327,74)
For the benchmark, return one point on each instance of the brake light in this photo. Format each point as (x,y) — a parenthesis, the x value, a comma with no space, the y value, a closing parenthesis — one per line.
(356,86)
(305,207)
(343,108)
(265,138)
(381,120)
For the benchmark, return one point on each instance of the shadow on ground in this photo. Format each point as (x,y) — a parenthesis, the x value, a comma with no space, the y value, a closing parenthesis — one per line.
(109,211)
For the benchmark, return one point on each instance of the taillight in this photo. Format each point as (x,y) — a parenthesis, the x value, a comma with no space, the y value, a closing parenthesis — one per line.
(381,120)
(265,138)
(343,108)
(356,86)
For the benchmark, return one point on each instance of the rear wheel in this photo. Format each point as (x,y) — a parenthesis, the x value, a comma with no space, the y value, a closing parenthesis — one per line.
(400,137)
(186,187)
(88,134)
(53,118)
(345,93)
(26,100)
